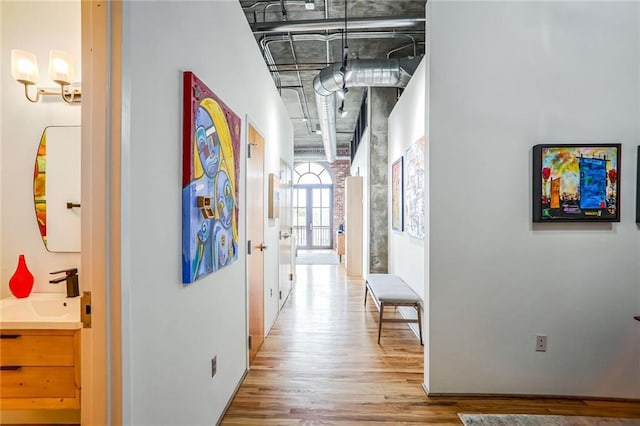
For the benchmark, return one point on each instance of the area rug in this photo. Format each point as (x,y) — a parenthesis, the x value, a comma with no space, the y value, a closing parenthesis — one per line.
(541,420)
(317,257)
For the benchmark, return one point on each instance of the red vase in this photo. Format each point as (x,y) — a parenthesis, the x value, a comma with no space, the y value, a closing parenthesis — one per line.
(21,282)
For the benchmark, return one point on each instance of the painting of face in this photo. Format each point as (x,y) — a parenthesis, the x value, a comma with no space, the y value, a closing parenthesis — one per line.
(207,142)
(211,150)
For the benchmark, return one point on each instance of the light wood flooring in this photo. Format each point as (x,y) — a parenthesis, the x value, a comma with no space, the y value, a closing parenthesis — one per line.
(321,365)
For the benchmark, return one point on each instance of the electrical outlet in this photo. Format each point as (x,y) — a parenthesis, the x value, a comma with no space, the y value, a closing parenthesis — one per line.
(541,342)
(214,365)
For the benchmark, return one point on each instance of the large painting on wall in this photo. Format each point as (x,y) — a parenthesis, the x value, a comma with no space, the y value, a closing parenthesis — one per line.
(397,211)
(414,189)
(576,183)
(210,180)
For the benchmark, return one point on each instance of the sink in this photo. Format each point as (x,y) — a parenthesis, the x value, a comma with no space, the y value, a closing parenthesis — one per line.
(40,311)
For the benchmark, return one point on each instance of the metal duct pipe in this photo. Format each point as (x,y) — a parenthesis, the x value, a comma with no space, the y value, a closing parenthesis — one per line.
(316,156)
(337,24)
(361,73)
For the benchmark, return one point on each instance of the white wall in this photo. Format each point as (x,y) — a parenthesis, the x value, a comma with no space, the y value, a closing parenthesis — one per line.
(173,331)
(409,256)
(505,76)
(35,27)
(407,125)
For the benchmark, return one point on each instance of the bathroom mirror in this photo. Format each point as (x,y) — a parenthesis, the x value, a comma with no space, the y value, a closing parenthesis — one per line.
(56,188)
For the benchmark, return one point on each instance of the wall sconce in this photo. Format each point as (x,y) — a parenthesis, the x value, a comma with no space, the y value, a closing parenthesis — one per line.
(24,69)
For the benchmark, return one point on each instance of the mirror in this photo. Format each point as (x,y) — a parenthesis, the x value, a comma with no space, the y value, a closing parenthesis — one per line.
(56,188)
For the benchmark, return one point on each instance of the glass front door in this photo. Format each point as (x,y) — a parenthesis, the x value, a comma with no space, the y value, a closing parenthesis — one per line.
(313,216)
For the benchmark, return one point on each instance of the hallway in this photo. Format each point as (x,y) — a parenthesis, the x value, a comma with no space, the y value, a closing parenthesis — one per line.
(321,365)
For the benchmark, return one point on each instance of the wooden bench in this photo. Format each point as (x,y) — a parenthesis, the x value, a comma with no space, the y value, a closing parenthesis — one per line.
(391,290)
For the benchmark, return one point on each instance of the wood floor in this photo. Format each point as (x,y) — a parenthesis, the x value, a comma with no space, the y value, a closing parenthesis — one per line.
(321,365)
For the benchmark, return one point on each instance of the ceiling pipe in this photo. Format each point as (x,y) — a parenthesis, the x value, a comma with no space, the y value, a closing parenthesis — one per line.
(316,156)
(336,24)
(360,73)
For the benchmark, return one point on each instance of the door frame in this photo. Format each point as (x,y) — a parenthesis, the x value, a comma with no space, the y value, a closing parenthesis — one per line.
(101,351)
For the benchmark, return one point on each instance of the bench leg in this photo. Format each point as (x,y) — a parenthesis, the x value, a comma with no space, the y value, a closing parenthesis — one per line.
(380,320)
(366,289)
(419,321)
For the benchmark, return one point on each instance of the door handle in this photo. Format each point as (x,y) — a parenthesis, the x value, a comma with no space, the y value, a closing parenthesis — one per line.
(286,235)
(262,247)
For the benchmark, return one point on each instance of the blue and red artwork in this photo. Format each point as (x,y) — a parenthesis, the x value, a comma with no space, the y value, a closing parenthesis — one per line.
(576,182)
(210,170)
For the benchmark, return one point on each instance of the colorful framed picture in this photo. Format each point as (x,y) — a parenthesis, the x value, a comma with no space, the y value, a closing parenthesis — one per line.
(414,189)
(576,183)
(397,210)
(210,181)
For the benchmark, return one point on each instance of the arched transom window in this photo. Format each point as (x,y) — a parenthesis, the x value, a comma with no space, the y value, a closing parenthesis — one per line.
(312,174)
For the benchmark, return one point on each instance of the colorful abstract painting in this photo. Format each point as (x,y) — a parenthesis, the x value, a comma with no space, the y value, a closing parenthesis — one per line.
(574,182)
(210,181)
(397,211)
(414,189)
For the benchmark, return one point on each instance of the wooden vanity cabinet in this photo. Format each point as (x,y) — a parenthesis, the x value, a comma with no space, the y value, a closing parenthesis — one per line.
(39,369)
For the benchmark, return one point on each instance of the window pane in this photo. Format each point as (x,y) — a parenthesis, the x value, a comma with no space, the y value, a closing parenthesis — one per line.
(325,177)
(316,198)
(326,220)
(301,217)
(317,217)
(326,192)
(300,198)
(302,168)
(315,168)
(309,179)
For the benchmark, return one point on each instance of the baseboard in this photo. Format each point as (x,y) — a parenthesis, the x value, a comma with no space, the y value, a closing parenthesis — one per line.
(233,395)
(524,396)
(425,389)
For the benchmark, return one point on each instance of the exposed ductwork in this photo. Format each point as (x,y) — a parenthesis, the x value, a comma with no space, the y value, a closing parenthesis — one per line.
(336,24)
(359,73)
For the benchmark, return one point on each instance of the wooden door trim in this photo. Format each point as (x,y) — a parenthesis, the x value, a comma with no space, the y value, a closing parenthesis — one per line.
(101,376)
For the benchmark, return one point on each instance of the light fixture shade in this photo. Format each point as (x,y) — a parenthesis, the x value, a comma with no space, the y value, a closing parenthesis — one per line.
(309,4)
(24,66)
(60,67)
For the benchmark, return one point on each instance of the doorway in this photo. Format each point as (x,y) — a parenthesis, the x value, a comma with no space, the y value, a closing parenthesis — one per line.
(313,206)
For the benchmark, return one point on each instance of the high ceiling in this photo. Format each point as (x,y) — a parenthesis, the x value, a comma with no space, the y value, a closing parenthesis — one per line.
(313,39)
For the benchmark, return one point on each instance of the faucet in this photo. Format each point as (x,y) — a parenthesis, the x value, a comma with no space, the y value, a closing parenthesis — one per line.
(71,277)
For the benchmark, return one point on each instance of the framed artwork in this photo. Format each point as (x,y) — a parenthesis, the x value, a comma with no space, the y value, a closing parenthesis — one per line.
(397,211)
(274,197)
(638,187)
(414,189)
(576,183)
(210,181)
